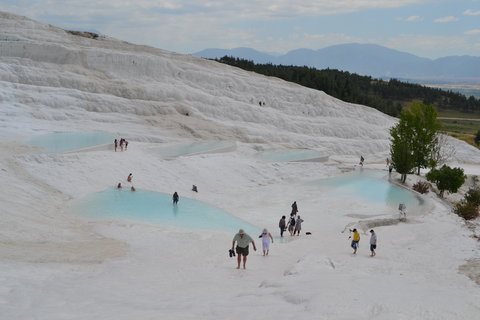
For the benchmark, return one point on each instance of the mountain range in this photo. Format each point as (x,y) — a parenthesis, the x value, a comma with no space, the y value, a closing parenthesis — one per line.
(367,59)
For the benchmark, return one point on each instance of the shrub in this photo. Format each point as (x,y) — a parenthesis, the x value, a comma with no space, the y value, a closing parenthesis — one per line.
(473,196)
(475,180)
(446,178)
(422,187)
(466,210)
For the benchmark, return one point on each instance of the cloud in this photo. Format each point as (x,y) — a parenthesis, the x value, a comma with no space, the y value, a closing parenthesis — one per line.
(473,32)
(272,9)
(414,19)
(409,19)
(192,25)
(470,12)
(446,19)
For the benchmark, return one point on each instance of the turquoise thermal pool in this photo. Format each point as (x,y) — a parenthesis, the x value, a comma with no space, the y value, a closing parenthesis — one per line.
(157,208)
(371,187)
(293,155)
(186,149)
(69,141)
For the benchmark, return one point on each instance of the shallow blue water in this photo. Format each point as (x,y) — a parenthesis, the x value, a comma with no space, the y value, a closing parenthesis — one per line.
(69,141)
(193,148)
(157,208)
(372,187)
(291,155)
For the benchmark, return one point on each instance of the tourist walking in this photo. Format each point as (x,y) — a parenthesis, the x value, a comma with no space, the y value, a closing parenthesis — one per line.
(266,240)
(294,208)
(122,141)
(282,224)
(115,143)
(355,240)
(175,197)
(242,240)
(298,226)
(291,224)
(373,243)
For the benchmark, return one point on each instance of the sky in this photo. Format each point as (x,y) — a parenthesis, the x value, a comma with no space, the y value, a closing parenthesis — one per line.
(427,28)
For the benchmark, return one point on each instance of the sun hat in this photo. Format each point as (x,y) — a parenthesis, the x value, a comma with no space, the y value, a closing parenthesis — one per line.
(241,231)
(265,230)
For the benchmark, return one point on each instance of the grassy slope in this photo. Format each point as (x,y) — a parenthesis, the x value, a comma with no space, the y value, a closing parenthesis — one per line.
(461,129)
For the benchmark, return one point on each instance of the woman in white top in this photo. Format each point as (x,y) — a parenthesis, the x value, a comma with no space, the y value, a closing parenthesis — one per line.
(266,239)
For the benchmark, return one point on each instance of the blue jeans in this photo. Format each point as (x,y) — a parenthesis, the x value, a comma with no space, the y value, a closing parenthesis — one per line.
(354,244)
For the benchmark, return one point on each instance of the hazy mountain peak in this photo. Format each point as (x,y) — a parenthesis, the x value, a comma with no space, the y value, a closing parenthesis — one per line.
(372,60)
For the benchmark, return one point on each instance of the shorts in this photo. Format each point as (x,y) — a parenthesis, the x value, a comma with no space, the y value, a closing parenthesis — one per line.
(242,251)
(373,247)
(354,244)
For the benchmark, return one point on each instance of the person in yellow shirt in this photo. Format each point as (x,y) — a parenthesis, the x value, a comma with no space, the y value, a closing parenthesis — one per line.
(355,240)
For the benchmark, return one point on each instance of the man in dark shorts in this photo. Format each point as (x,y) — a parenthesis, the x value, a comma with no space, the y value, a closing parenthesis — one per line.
(243,240)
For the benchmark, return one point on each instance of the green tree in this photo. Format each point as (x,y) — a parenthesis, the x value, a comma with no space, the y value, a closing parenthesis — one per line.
(425,126)
(447,178)
(414,140)
(401,150)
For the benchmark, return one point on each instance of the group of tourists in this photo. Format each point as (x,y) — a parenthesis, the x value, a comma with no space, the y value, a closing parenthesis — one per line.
(241,240)
(129,179)
(294,224)
(123,143)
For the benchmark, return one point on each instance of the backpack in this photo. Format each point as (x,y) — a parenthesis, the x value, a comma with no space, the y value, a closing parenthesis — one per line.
(292,221)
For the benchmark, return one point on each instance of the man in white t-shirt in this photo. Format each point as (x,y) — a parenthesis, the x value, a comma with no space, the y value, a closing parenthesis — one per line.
(243,240)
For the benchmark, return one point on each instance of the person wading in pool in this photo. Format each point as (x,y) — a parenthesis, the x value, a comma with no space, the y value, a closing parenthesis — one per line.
(243,241)
(175,197)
